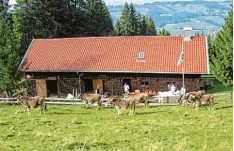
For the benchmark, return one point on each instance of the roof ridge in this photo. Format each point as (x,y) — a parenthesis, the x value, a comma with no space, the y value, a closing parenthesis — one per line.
(112,37)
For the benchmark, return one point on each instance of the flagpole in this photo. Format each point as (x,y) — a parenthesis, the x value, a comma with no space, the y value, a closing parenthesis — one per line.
(183,73)
(183,63)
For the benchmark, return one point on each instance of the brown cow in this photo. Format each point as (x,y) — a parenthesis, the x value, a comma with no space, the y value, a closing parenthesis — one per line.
(187,97)
(91,98)
(123,103)
(198,93)
(202,100)
(141,98)
(32,102)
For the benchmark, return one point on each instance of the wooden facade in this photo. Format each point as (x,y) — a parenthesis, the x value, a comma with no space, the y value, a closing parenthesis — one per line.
(60,84)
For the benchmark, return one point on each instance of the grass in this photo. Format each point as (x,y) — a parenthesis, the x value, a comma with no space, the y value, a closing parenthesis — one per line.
(158,128)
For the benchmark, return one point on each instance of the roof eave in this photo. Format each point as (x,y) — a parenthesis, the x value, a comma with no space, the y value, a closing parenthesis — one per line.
(25,55)
(207,54)
(106,71)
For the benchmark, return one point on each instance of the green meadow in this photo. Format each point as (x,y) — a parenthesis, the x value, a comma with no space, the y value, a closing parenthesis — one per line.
(157,128)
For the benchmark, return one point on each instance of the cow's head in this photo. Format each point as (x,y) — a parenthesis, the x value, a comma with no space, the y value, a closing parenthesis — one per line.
(79,96)
(191,97)
(110,100)
(201,92)
(18,99)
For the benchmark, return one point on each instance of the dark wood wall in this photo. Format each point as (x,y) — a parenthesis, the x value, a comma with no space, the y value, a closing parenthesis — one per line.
(113,82)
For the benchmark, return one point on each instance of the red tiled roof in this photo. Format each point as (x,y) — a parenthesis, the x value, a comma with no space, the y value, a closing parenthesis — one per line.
(111,54)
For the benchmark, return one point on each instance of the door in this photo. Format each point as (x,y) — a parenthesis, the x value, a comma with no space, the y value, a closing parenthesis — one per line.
(99,83)
(41,88)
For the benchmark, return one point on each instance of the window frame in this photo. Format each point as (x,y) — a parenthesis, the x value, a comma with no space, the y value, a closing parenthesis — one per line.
(141,55)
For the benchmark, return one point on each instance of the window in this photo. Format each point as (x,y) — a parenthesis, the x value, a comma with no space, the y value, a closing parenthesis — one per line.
(141,55)
(144,83)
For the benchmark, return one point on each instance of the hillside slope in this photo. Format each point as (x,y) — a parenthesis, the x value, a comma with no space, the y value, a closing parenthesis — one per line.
(206,16)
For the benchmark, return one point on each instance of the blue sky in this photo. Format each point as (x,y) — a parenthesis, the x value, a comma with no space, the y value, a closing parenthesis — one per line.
(121,2)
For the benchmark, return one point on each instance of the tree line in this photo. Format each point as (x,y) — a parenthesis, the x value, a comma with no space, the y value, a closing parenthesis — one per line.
(132,23)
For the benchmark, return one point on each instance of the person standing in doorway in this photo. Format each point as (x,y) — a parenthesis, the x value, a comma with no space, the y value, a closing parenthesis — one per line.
(97,90)
(126,88)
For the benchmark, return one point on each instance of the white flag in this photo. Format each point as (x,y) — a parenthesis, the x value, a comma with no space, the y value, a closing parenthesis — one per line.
(181,59)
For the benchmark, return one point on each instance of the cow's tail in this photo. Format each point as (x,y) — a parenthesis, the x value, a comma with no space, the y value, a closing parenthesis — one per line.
(44,107)
(134,107)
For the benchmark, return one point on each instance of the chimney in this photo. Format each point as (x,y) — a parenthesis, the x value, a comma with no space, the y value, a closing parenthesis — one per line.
(187,33)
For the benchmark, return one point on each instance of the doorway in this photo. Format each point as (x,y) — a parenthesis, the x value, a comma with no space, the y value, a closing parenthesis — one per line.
(91,85)
(52,88)
(99,83)
(88,85)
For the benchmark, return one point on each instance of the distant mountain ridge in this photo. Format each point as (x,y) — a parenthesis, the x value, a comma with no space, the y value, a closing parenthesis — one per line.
(202,16)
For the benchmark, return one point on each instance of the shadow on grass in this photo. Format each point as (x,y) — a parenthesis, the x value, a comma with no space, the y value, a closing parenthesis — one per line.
(102,145)
(78,146)
(164,105)
(67,113)
(224,107)
(155,106)
(86,146)
(146,113)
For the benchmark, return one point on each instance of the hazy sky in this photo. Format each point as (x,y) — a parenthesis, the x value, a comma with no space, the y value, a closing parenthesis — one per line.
(120,2)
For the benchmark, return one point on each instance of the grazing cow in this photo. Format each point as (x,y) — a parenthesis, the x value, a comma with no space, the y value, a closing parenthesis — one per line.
(205,99)
(123,103)
(32,102)
(91,98)
(141,98)
(187,97)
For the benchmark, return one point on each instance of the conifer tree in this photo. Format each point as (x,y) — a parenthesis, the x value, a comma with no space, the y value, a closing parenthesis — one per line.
(9,52)
(164,32)
(139,26)
(99,20)
(144,28)
(133,19)
(118,29)
(222,52)
(125,21)
(132,23)
(151,27)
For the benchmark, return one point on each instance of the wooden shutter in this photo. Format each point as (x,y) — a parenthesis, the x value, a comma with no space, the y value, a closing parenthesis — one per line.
(41,88)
